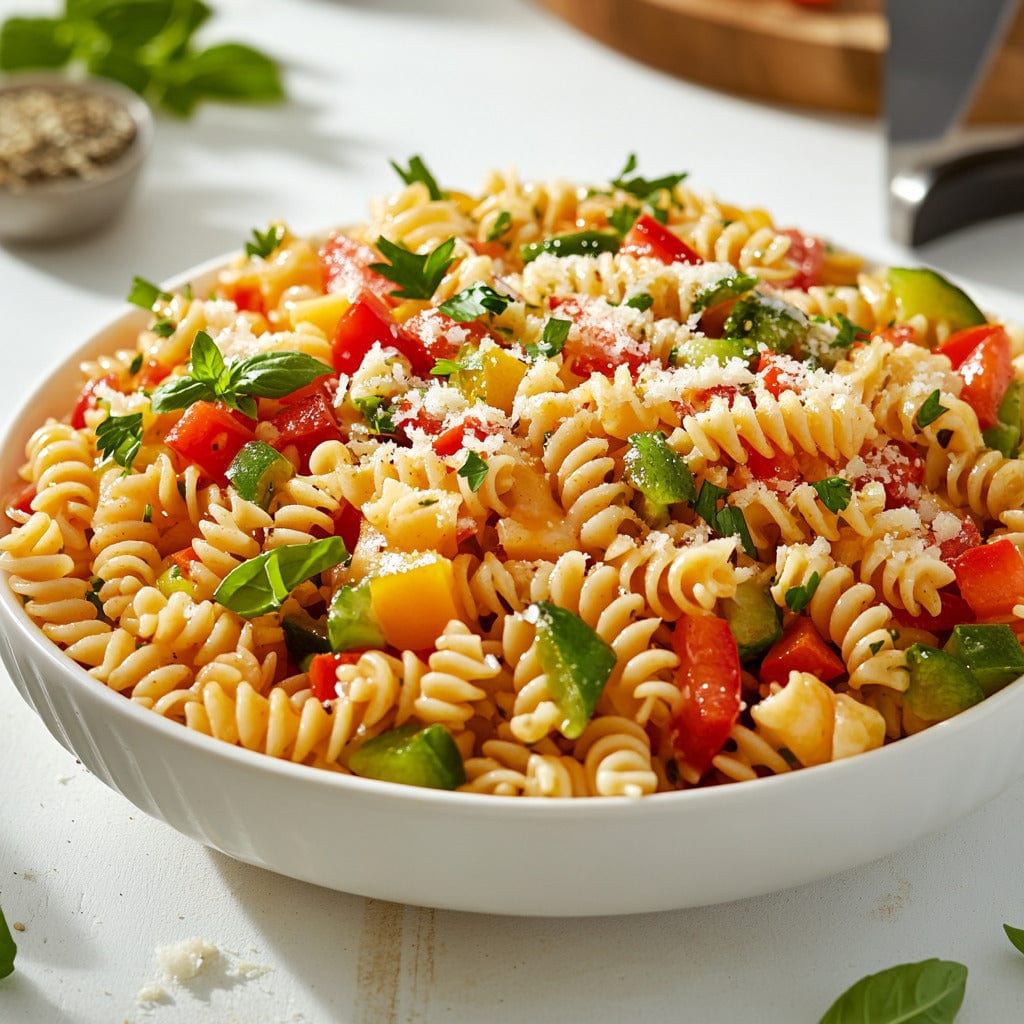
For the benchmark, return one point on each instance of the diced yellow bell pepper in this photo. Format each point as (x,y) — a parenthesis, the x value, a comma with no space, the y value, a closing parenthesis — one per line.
(413,605)
(323,311)
(496,381)
(408,309)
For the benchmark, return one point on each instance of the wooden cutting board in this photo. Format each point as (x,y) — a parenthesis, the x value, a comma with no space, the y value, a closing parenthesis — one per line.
(828,57)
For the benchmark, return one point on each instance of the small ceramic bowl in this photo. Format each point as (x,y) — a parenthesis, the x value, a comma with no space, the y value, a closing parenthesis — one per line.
(71,192)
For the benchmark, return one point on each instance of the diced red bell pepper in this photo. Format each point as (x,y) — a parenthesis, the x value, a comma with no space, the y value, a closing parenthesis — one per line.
(898,334)
(366,322)
(323,669)
(898,466)
(303,425)
(208,435)
(775,469)
(22,501)
(807,254)
(648,237)
(453,439)
(183,559)
(347,522)
(246,296)
(955,611)
(87,399)
(601,344)
(346,269)
(441,336)
(801,648)
(708,677)
(987,372)
(991,579)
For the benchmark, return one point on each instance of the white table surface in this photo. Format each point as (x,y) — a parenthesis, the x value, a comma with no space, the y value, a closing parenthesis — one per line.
(100,888)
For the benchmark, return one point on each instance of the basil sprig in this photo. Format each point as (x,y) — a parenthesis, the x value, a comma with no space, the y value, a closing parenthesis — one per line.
(8,948)
(417,275)
(236,382)
(261,584)
(929,992)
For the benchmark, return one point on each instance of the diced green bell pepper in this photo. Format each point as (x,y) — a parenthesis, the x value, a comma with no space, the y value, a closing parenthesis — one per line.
(1005,435)
(351,624)
(658,471)
(257,471)
(753,617)
(303,637)
(767,320)
(992,652)
(577,663)
(412,756)
(727,288)
(580,243)
(697,351)
(925,292)
(940,685)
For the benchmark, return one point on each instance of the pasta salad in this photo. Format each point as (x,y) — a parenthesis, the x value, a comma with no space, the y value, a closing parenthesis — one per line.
(548,490)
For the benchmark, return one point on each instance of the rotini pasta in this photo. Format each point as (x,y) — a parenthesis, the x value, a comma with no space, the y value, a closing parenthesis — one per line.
(549,491)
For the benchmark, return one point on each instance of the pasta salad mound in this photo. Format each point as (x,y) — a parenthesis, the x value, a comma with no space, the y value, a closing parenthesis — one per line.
(547,490)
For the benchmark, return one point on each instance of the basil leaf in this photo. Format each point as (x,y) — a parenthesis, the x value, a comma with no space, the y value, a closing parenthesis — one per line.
(417,275)
(261,584)
(622,218)
(132,23)
(645,189)
(501,224)
(417,171)
(146,294)
(446,367)
(475,301)
(162,328)
(227,71)
(122,67)
(276,374)
(931,409)
(728,521)
(552,341)
(834,492)
(929,992)
(180,393)
(120,438)
(205,359)
(33,43)
(849,332)
(642,301)
(474,470)
(798,598)
(8,948)
(264,242)
(1015,935)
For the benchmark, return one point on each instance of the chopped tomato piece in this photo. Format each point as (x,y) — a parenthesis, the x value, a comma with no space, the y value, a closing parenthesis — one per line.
(22,501)
(347,522)
(955,611)
(801,648)
(441,336)
(709,683)
(346,268)
(898,334)
(647,237)
(896,465)
(775,469)
(303,425)
(807,254)
(601,344)
(991,579)
(953,547)
(323,672)
(780,373)
(87,399)
(247,297)
(151,374)
(987,372)
(209,436)
(453,439)
(960,344)
(183,559)
(367,322)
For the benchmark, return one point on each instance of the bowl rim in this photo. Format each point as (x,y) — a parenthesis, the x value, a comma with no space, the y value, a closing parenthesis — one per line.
(136,152)
(15,433)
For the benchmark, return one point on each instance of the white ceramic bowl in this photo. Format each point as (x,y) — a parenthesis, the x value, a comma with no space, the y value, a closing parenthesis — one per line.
(493,854)
(67,208)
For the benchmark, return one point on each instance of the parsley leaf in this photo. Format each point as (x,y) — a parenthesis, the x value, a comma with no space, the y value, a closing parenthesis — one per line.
(798,598)
(120,438)
(835,492)
(237,382)
(727,288)
(162,328)
(378,412)
(931,409)
(417,275)
(501,224)
(728,521)
(849,332)
(552,341)
(645,189)
(265,242)
(92,595)
(475,301)
(446,367)
(623,217)
(145,294)
(474,471)
(136,364)
(417,171)
(642,301)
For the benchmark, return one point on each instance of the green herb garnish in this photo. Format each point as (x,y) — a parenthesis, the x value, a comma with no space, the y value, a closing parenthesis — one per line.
(501,224)
(474,471)
(378,412)
(162,328)
(236,382)
(798,598)
(120,438)
(136,364)
(644,189)
(416,275)
(446,367)
(931,409)
(849,332)
(552,340)
(727,288)
(727,521)
(8,948)
(1015,935)
(417,171)
(642,301)
(261,584)
(145,294)
(264,242)
(834,492)
(622,218)
(475,301)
